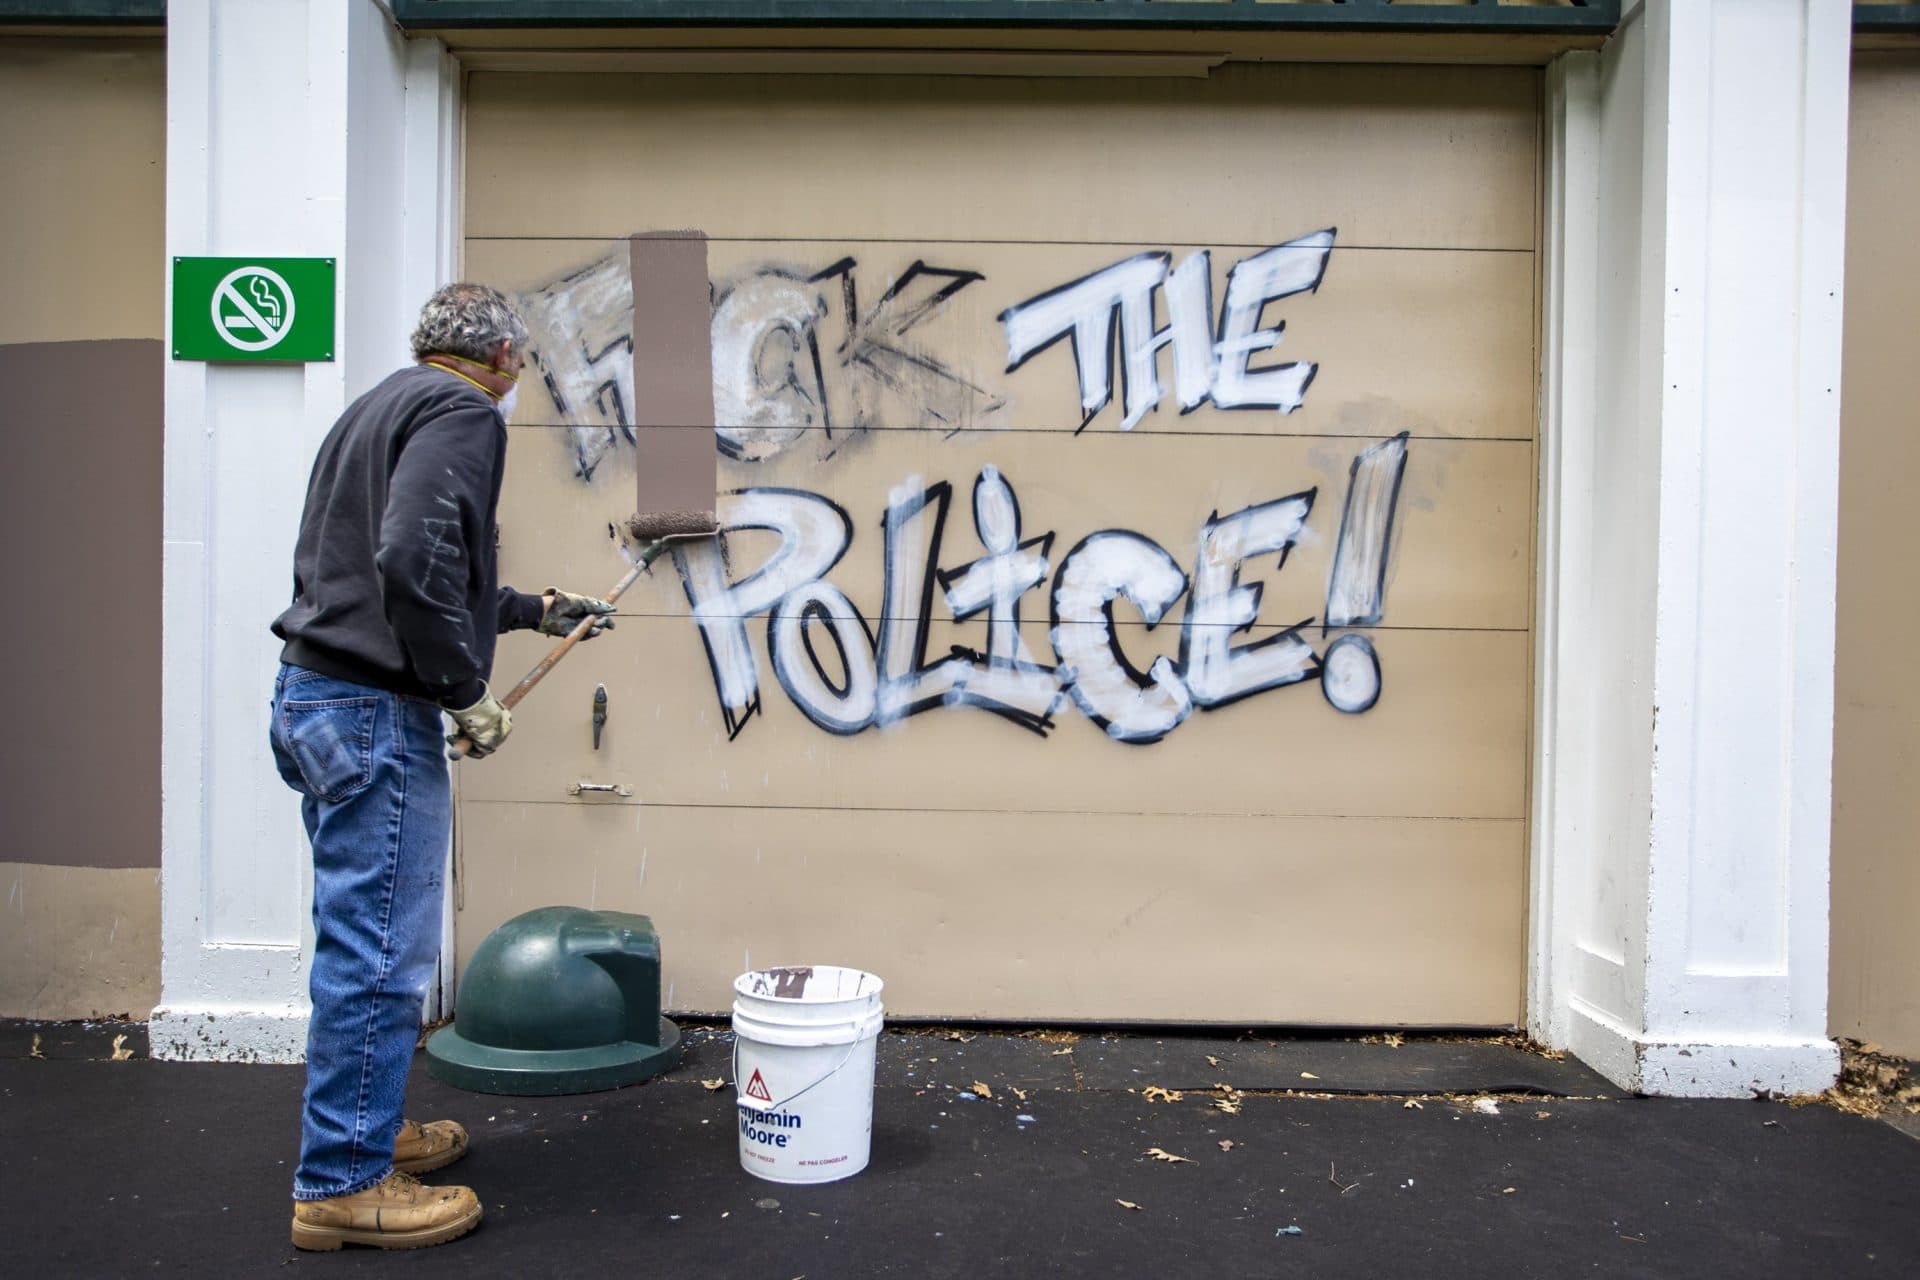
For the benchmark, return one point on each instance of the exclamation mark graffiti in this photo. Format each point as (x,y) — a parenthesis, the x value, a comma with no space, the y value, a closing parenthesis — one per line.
(1357,589)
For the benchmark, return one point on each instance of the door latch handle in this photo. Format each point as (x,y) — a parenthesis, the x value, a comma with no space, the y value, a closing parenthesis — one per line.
(620,789)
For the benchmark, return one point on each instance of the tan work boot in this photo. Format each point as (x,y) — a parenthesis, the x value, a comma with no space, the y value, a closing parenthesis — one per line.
(398,1213)
(421,1148)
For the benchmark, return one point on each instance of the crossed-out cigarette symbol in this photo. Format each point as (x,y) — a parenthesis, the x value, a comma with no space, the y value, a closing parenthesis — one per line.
(260,301)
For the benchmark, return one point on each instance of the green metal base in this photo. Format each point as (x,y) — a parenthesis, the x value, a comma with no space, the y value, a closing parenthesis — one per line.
(535,1072)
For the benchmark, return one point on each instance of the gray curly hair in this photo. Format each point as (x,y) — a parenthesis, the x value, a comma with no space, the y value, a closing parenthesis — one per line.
(468,320)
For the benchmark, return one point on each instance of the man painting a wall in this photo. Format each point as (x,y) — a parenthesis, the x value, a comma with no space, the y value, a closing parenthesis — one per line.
(396,606)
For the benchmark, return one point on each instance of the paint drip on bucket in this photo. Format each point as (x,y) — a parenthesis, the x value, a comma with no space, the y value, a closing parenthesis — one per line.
(804,1039)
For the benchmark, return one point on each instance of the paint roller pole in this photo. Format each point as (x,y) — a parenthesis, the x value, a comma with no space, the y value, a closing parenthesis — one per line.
(648,555)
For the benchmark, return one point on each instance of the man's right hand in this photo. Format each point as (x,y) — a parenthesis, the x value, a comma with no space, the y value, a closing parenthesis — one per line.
(485,724)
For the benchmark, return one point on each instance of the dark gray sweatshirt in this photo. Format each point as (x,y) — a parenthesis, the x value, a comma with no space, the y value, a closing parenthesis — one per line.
(394,579)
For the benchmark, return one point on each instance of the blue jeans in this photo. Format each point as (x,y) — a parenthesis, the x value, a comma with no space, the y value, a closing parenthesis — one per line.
(372,771)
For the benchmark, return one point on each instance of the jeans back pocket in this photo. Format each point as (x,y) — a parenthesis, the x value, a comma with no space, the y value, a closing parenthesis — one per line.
(331,743)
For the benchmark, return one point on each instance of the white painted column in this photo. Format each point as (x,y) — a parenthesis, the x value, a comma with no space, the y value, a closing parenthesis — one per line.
(1689,483)
(295,128)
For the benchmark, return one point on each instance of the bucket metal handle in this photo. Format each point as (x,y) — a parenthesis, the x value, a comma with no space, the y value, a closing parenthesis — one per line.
(852,1045)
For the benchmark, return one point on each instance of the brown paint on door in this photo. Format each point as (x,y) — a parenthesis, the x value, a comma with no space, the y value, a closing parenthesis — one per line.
(672,373)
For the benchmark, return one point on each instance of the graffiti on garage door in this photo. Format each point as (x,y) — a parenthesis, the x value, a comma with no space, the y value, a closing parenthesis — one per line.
(821,359)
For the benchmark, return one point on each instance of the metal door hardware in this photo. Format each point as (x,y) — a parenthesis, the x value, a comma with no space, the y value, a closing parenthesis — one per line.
(620,789)
(599,713)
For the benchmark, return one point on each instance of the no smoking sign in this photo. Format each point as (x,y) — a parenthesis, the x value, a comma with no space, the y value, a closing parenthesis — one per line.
(253,309)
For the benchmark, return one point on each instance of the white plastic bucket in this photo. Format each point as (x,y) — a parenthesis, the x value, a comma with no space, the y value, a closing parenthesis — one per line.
(803,1048)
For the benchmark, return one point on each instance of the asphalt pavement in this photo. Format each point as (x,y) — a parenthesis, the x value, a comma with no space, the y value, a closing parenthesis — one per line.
(996,1154)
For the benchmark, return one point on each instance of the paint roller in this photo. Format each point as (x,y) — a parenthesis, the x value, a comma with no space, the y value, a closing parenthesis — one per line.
(672,416)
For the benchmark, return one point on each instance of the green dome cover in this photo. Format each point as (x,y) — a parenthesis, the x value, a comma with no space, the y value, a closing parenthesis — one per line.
(558,1000)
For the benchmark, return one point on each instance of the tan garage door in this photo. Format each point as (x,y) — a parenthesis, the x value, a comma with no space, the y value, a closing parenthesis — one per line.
(1128,617)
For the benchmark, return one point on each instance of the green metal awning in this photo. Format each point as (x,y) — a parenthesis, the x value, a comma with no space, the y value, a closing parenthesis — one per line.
(81,13)
(1569,17)
(1585,17)
(1877,16)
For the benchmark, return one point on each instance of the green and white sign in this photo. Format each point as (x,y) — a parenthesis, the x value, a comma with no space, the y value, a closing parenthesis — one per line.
(253,309)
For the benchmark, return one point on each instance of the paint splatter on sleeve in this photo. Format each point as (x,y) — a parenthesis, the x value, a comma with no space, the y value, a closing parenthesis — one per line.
(436,518)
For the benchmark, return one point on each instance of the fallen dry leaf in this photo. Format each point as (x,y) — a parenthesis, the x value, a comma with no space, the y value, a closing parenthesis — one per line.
(1412,1104)
(1308,1075)
(711,1085)
(1226,1144)
(961,1036)
(1128,1204)
(1168,1156)
(1212,1061)
(120,1051)
(1869,1081)
(1543,1115)
(1507,1191)
(980,1088)
(34,1050)
(1018,1092)
(1154,1093)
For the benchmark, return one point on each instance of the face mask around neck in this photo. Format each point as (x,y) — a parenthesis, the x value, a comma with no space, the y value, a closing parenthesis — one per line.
(505,404)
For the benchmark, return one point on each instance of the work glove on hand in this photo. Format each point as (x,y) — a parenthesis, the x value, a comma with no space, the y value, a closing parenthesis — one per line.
(564,610)
(485,724)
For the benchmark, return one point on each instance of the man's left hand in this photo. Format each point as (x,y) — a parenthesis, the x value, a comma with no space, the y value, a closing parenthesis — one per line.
(565,610)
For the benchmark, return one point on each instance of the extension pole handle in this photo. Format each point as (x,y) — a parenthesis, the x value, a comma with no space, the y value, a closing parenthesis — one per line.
(647,556)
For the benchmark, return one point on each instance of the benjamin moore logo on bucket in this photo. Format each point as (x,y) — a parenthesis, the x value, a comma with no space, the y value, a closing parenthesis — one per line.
(757,1088)
(765,1126)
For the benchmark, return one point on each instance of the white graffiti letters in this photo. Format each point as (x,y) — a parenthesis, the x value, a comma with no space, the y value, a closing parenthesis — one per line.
(1115,696)
(581,328)
(794,354)
(1294,267)
(1358,591)
(1217,671)
(846,676)
(849,706)
(1010,682)
(813,533)
(767,382)
(915,518)
(1085,311)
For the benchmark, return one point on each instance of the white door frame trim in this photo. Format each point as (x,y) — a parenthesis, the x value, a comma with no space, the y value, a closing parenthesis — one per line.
(1688,517)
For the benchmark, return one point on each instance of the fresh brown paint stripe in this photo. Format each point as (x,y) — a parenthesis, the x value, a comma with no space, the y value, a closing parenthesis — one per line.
(672,372)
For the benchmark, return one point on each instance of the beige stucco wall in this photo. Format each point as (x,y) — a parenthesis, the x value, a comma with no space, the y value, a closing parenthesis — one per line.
(1275,859)
(79,942)
(84,214)
(80,346)
(1875,990)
